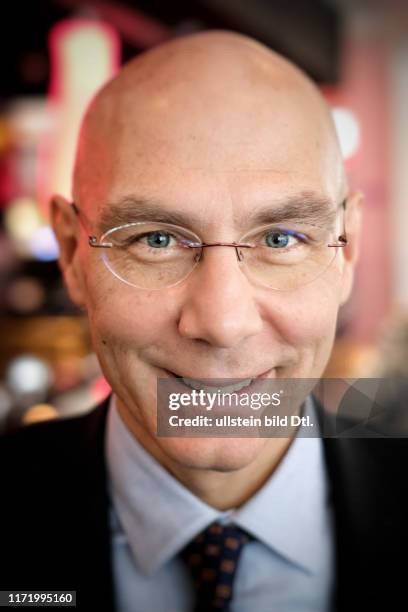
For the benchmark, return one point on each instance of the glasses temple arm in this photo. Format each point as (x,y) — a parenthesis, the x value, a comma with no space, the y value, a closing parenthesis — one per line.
(342,239)
(92,239)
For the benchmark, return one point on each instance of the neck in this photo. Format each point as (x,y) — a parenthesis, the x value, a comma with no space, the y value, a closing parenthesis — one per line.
(227,490)
(220,489)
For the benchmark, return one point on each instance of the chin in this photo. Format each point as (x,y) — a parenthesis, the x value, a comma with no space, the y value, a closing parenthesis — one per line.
(217,454)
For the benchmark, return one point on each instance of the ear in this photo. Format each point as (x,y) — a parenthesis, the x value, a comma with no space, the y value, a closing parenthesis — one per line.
(352,224)
(66,228)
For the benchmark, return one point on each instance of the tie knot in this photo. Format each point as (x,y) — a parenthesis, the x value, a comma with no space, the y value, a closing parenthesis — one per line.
(212,558)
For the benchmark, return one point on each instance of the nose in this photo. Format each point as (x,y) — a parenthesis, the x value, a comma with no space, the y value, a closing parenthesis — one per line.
(219,307)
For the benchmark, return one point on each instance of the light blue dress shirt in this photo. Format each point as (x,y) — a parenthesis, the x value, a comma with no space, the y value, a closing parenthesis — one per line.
(288,568)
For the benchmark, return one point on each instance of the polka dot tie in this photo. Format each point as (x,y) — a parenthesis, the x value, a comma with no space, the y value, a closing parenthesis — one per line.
(212,558)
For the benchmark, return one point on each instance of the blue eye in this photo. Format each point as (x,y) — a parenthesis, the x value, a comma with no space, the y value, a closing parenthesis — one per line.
(277,239)
(158,239)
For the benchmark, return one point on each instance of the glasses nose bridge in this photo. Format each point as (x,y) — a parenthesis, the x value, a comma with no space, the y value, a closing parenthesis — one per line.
(235,245)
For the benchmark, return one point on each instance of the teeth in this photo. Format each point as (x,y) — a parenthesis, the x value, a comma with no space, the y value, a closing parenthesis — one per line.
(198,386)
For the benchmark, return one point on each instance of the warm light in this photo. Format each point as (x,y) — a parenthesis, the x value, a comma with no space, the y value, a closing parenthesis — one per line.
(26,227)
(22,218)
(39,413)
(84,55)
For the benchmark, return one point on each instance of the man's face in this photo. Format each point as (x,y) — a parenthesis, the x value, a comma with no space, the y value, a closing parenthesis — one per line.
(218,167)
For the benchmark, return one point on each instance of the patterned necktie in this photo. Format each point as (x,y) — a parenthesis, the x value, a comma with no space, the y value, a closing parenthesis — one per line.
(212,558)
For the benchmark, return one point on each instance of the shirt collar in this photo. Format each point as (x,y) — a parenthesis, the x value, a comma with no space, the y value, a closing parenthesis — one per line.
(159,516)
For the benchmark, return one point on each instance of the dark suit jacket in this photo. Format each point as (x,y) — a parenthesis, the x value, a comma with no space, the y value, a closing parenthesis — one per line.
(54,515)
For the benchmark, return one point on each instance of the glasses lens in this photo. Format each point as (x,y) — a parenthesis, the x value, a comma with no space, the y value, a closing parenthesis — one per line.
(151,255)
(288,257)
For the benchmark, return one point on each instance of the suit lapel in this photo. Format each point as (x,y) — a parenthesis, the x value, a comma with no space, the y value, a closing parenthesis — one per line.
(94,563)
(370,507)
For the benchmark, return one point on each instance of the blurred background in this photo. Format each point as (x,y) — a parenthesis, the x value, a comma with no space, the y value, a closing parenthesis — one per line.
(57,53)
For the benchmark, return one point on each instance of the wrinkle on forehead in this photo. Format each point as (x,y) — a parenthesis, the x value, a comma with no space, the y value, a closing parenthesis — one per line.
(213,101)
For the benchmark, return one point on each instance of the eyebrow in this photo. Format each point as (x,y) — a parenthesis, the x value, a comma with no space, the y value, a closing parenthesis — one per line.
(305,207)
(132,209)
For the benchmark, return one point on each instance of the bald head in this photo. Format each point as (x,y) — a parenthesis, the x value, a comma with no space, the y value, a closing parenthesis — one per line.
(214,102)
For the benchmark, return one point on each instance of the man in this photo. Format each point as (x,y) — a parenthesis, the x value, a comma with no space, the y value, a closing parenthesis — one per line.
(210,136)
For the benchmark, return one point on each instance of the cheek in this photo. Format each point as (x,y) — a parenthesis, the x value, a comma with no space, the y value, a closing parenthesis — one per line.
(306,317)
(314,317)
(122,317)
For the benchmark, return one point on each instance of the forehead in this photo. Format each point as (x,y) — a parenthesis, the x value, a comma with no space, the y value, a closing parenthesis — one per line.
(274,132)
(215,182)
(216,154)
